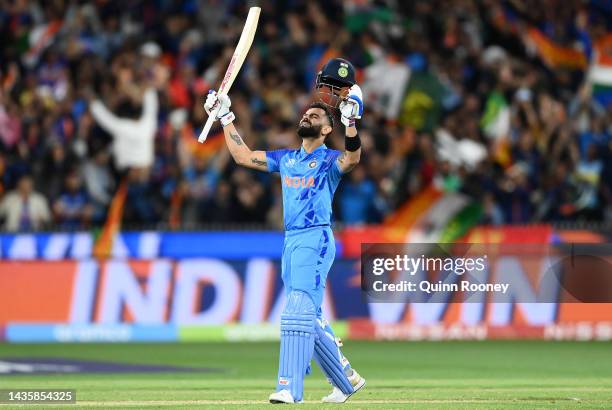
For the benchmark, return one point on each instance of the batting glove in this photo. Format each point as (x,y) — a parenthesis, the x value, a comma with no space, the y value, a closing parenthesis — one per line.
(351,108)
(223,103)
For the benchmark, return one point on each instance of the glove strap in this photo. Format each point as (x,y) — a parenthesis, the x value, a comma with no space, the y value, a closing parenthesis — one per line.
(227,118)
(347,121)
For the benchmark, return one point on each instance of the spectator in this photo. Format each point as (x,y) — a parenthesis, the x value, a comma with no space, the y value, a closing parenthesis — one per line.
(596,137)
(221,208)
(514,196)
(520,123)
(18,165)
(357,198)
(10,125)
(202,179)
(73,208)
(23,209)
(491,213)
(132,128)
(57,165)
(249,197)
(99,183)
(141,205)
(588,174)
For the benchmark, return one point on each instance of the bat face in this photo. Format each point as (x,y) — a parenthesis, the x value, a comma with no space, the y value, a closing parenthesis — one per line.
(228,75)
(240,53)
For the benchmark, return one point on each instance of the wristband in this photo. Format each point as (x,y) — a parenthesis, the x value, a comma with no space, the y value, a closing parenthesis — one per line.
(352,144)
(227,118)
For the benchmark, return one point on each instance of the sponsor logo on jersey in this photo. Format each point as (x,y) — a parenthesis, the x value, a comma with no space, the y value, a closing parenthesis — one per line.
(290,162)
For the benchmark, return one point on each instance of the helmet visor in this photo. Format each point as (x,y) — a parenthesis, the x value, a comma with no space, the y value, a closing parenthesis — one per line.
(331,93)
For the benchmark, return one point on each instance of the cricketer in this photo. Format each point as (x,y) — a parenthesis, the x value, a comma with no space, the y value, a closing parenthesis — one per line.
(309,176)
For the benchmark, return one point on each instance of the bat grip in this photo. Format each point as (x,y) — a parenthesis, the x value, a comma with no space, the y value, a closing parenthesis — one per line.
(208,125)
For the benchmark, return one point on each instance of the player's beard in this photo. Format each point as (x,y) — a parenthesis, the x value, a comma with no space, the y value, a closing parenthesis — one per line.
(307,130)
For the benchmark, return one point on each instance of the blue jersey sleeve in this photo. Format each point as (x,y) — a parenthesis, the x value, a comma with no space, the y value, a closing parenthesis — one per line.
(273,158)
(334,174)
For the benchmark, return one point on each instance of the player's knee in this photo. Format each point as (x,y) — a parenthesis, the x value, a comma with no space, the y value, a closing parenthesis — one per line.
(299,301)
(299,314)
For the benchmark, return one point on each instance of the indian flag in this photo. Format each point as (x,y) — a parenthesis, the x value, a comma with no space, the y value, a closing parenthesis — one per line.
(600,71)
(189,141)
(555,55)
(495,121)
(432,216)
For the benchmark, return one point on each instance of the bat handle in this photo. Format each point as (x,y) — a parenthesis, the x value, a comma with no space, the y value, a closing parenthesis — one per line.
(208,125)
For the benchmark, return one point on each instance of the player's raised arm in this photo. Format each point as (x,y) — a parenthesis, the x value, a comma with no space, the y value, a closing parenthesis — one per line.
(351,109)
(241,153)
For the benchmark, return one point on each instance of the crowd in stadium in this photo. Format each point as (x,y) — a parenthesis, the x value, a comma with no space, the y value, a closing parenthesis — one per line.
(96,96)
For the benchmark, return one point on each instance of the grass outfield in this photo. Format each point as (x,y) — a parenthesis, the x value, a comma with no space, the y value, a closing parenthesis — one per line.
(424,375)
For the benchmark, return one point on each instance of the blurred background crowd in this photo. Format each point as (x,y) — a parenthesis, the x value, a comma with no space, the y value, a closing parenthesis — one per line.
(506,102)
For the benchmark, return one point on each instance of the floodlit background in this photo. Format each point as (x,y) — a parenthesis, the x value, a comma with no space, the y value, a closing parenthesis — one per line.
(486,121)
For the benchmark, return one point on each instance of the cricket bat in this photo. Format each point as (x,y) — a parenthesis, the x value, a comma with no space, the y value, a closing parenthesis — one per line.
(242,49)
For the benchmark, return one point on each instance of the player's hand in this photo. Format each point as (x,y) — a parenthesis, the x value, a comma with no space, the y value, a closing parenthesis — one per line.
(214,100)
(351,108)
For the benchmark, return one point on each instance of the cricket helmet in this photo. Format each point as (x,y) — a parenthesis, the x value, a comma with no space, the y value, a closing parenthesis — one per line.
(334,80)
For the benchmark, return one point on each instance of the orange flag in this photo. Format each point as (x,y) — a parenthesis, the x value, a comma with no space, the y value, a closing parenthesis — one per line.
(104,244)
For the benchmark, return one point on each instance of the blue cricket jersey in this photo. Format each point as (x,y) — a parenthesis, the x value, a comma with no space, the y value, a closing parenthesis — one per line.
(309,182)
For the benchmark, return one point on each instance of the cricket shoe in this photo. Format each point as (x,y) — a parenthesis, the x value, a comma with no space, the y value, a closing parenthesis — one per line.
(337,396)
(283,396)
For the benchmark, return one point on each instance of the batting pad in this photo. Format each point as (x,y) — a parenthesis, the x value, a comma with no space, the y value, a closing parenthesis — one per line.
(329,357)
(297,343)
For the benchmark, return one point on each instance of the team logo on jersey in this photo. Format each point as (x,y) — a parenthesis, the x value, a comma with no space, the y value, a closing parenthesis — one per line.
(312,164)
(290,162)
